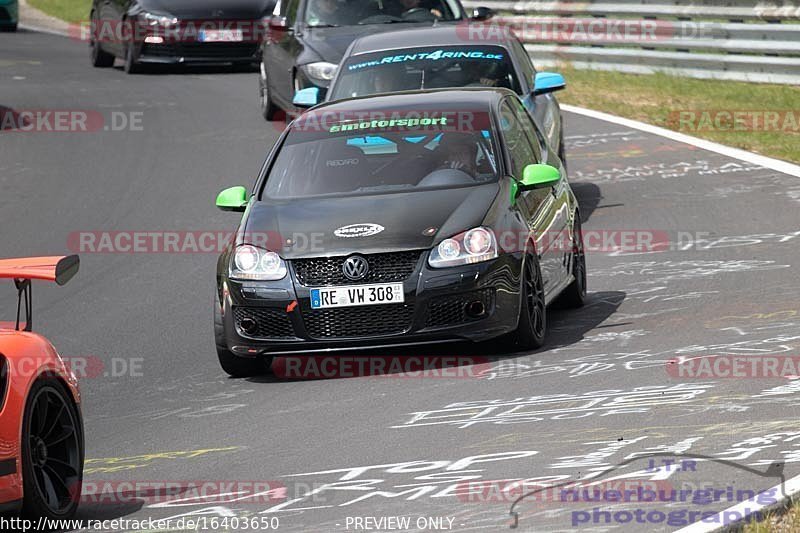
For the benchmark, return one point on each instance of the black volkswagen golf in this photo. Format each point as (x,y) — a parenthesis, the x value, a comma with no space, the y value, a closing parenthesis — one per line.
(409,218)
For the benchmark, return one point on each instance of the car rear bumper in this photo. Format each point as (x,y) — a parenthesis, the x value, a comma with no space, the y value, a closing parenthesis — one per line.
(440,305)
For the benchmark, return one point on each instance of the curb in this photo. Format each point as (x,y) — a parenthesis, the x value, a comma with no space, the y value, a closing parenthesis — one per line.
(32,19)
(749,510)
(742,155)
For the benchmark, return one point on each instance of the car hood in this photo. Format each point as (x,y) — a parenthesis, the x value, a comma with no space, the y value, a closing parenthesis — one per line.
(410,220)
(330,44)
(210,9)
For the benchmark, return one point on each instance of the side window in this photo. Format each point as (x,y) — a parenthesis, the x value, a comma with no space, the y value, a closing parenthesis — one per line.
(528,71)
(519,149)
(530,128)
(289,10)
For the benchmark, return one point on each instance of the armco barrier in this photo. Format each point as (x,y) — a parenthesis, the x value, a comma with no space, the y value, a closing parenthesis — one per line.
(732,39)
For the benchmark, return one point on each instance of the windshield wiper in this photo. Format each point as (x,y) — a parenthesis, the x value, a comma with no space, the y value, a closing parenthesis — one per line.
(372,188)
(323,25)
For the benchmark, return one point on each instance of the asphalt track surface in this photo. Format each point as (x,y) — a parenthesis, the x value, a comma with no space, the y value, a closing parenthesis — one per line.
(595,404)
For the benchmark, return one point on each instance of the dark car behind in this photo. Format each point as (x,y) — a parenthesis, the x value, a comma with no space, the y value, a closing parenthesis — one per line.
(305,45)
(143,32)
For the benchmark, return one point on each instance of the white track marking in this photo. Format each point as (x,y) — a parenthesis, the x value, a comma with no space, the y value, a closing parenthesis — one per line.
(735,153)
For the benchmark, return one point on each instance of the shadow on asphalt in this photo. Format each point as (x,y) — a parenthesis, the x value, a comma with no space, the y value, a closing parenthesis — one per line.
(589,197)
(156,70)
(457,359)
(569,326)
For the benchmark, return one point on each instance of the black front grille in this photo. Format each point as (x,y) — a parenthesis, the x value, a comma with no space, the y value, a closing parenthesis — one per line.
(366,321)
(383,268)
(218,50)
(452,310)
(271,323)
(159,50)
(221,51)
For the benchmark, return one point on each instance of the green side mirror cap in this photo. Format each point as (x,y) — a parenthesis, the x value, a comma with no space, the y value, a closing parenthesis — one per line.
(232,199)
(539,177)
(534,177)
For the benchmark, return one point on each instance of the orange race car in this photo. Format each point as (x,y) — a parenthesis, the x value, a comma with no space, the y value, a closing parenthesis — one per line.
(41,428)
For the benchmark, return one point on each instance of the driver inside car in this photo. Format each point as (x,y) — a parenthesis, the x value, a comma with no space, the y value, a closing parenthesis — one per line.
(329,13)
(459,152)
(405,8)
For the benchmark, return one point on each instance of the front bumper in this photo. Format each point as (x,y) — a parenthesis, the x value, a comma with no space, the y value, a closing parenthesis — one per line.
(434,310)
(197,53)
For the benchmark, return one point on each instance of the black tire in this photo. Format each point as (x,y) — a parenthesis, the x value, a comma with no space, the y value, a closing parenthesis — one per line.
(131,65)
(575,295)
(240,367)
(268,108)
(52,452)
(10,28)
(532,327)
(100,58)
(232,364)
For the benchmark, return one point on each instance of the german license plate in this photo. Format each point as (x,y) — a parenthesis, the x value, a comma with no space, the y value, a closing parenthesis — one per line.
(384,293)
(221,36)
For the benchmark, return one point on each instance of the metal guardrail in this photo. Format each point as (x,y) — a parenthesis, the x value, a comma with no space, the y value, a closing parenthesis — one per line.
(742,40)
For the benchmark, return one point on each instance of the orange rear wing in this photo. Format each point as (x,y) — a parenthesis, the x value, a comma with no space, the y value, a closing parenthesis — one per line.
(59,269)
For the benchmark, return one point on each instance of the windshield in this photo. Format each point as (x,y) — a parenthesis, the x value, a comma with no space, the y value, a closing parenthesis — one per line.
(425,68)
(324,13)
(380,156)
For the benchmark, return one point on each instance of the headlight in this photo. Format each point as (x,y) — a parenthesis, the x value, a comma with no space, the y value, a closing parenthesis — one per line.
(253,263)
(473,246)
(320,71)
(153,19)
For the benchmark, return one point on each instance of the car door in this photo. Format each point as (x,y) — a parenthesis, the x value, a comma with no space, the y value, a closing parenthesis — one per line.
(543,107)
(562,207)
(281,52)
(538,206)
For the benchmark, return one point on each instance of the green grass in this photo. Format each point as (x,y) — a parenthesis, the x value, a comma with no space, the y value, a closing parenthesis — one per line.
(658,99)
(69,10)
(776,522)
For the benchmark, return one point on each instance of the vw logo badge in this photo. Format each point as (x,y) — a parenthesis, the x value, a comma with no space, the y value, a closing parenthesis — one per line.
(355,268)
